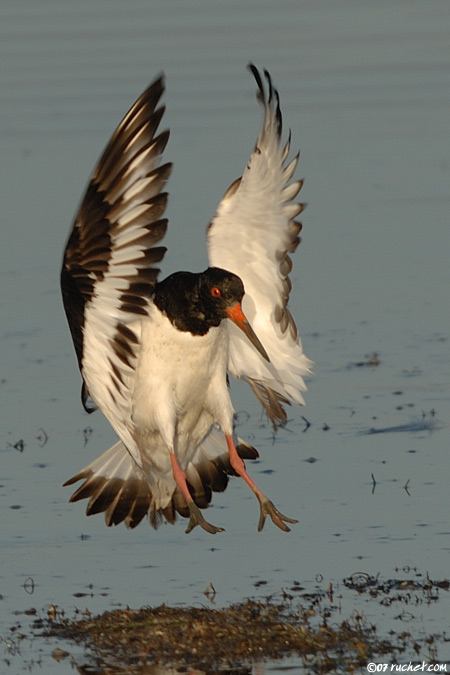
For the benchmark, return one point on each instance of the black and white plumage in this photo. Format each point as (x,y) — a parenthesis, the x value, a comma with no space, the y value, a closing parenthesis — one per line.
(154,355)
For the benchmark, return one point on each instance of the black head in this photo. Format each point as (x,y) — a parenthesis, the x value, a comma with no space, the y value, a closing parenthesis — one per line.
(220,290)
(196,302)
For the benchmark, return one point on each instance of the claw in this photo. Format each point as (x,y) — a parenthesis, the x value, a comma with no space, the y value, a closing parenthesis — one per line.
(196,518)
(268,509)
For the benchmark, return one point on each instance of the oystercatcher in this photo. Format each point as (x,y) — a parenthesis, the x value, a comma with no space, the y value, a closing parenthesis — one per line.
(154,355)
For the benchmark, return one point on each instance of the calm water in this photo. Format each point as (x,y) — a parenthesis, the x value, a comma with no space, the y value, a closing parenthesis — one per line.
(364,87)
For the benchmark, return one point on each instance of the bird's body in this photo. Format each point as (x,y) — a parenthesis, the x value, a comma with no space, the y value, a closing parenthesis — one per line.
(154,356)
(181,390)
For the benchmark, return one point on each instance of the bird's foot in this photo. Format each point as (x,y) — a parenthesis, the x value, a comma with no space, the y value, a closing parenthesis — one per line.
(266,506)
(196,518)
(268,509)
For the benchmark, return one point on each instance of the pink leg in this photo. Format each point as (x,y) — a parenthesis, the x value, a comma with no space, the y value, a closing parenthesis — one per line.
(196,517)
(266,506)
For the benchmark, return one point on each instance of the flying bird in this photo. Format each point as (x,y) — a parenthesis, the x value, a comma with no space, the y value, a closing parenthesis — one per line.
(155,355)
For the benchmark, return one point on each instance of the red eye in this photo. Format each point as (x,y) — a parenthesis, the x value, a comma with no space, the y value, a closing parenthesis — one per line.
(215,292)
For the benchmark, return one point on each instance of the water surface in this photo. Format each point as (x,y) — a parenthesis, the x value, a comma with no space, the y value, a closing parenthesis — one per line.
(364,89)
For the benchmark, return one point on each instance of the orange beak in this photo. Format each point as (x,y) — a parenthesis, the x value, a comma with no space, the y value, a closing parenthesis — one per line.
(238,317)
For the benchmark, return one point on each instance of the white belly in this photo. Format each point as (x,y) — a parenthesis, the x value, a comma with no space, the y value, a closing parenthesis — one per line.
(181,391)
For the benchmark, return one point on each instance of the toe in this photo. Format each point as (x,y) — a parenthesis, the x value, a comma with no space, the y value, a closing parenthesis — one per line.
(196,518)
(280,520)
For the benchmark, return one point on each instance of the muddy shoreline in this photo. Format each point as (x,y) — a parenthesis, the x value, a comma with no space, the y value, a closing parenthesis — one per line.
(308,626)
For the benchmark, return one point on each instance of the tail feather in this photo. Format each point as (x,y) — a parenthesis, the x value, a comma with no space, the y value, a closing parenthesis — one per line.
(105,496)
(140,506)
(117,486)
(131,504)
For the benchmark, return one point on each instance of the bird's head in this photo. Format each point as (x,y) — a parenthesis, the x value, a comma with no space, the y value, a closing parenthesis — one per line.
(222,293)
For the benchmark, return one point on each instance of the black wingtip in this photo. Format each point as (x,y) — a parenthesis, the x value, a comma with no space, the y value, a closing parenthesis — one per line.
(158,81)
(154,91)
(269,82)
(272,92)
(257,75)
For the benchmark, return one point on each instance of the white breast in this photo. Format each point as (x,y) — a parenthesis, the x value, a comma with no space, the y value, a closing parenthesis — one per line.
(181,390)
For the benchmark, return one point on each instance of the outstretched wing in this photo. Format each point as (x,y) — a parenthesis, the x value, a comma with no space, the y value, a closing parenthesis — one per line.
(108,272)
(252,234)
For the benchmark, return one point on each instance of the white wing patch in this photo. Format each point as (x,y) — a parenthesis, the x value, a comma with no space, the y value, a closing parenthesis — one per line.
(252,234)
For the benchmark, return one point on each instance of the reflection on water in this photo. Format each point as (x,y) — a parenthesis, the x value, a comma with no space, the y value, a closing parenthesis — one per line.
(364,88)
